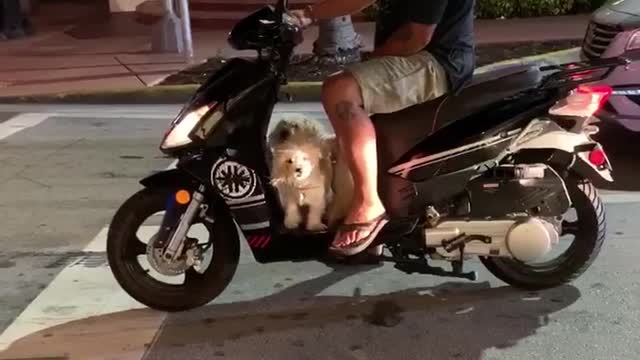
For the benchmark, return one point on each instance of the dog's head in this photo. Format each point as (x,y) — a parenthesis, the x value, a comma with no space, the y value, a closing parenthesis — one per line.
(298,152)
(296,164)
(294,130)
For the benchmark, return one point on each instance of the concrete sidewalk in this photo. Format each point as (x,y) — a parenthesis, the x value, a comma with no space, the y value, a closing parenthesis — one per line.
(94,54)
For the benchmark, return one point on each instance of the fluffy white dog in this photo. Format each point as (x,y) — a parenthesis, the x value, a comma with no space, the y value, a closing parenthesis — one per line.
(308,171)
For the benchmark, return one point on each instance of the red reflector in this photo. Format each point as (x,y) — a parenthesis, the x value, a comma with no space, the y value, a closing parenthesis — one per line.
(597,157)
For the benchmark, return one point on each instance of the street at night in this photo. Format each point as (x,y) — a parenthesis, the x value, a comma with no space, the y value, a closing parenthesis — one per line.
(146,214)
(66,169)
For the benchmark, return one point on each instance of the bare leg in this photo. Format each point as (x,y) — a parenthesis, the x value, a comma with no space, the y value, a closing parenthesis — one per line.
(356,135)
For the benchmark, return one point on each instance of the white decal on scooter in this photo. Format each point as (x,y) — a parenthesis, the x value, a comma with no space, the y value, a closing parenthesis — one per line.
(233,180)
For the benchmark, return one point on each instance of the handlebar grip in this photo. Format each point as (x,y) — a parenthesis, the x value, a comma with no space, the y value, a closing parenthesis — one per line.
(282,5)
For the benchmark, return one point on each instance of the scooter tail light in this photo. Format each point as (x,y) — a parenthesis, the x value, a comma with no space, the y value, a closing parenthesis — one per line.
(599,93)
(584,101)
(597,157)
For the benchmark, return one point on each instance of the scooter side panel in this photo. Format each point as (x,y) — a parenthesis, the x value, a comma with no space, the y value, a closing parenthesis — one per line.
(470,141)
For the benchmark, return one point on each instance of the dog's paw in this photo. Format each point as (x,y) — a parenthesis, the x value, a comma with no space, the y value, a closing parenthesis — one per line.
(292,221)
(316,227)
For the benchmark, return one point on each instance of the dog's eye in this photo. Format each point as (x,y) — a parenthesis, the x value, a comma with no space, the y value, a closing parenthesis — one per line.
(290,161)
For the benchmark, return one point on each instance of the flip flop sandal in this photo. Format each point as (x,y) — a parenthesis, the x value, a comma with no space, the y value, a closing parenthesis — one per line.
(374,226)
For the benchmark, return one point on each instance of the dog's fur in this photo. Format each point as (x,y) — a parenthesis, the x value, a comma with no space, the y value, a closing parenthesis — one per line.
(308,171)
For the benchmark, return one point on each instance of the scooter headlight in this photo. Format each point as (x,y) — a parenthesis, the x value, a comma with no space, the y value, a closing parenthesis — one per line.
(183,126)
(634,41)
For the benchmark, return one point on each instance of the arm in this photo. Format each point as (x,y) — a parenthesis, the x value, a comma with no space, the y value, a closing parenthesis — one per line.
(329,9)
(407,40)
(412,37)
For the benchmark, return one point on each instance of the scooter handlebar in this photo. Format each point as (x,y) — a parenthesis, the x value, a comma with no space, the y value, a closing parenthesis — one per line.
(282,6)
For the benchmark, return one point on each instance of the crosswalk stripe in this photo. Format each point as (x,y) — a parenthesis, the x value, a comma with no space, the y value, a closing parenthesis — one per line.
(82,290)
(78,292)
(20,122)
(619,197)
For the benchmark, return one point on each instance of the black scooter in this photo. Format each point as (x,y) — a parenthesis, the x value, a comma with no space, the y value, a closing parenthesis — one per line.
(488,172)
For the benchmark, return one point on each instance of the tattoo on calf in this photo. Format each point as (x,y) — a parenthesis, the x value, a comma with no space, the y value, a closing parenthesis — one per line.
(346,110)
(404,33)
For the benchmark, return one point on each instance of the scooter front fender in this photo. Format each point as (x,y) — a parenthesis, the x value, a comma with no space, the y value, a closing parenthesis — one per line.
(166,178)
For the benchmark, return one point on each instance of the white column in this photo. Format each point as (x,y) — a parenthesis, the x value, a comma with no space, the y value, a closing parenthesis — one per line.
(124,5)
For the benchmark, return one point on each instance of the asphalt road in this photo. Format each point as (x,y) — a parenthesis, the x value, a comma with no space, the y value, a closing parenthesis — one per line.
(64,170)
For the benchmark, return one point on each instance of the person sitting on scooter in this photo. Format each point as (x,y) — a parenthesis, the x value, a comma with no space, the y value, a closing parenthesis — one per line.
(423,49)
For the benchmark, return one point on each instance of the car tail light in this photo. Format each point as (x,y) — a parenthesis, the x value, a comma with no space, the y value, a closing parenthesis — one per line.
(634,41)
(584,101)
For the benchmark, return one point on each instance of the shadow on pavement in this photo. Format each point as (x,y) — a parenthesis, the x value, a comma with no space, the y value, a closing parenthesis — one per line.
(623,148)
(452,320)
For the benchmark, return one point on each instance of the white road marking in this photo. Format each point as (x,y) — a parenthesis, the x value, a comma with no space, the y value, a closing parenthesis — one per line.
(77,293)
(619,197)
(21,122)
(80,292)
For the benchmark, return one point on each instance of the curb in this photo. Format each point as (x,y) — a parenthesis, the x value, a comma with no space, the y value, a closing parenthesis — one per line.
(297,91)
(551,58)
(164,94)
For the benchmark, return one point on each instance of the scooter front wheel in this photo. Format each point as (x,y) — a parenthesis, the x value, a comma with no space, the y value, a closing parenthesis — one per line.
(179,286)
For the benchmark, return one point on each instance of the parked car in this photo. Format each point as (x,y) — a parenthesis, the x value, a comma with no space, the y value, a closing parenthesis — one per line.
(614,30)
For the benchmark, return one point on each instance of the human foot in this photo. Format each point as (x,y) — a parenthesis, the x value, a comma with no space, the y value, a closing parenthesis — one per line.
(359,230)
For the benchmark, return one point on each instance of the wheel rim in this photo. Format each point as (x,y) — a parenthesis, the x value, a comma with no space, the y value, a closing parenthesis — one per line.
(136,250)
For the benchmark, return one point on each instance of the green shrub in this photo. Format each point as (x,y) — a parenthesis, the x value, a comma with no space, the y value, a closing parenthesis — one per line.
(585,6)
(530,8)
(494,9)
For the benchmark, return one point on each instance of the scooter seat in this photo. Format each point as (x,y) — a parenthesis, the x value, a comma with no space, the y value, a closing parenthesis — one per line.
(485,89)
(402,130)
(500,73)
(488,88)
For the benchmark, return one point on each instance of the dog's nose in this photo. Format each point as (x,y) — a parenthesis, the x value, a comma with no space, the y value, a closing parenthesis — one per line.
(299,170)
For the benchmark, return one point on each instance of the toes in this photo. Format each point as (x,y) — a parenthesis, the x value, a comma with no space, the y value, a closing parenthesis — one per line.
(351,238)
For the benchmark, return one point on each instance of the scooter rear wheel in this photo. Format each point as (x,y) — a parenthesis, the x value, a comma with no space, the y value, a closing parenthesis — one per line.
(124,247)
(590,230)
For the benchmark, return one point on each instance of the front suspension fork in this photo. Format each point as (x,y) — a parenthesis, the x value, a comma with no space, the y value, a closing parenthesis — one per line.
(176,242)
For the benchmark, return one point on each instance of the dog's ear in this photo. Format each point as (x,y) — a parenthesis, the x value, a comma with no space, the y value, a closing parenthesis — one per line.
(287,131)
(284,134)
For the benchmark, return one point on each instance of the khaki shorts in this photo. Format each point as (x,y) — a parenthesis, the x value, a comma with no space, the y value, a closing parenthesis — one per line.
(393,83)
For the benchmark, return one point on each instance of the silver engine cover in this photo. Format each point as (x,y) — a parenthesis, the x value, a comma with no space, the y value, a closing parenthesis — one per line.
(524,239)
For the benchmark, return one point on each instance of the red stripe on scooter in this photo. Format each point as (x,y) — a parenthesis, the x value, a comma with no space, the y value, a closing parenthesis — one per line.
(264,242)
(259,241)
(254,240)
